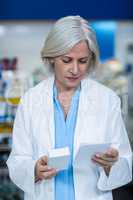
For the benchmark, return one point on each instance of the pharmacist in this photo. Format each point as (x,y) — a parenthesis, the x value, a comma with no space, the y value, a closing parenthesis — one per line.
(68,109)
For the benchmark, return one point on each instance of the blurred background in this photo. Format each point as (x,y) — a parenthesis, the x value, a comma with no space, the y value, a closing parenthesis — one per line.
(24,26)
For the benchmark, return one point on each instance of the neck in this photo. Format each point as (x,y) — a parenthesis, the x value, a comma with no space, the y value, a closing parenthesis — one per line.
(62,89)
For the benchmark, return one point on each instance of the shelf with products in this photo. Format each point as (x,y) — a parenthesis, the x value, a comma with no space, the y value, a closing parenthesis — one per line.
(2,99)
(4,148)
(13,84)
(8,190)
(6,128)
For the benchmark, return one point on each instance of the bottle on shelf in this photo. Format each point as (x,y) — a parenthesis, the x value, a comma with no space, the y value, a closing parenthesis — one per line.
(2,103)
(14,92)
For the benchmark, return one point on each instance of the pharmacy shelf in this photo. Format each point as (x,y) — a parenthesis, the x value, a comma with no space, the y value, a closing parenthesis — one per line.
(3,135)
(5,148)
(3,171)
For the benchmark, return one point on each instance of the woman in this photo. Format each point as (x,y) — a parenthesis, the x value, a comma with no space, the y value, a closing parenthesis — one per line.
(67,109)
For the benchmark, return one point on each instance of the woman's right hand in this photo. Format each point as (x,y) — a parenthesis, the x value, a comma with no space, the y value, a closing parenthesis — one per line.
(42,171)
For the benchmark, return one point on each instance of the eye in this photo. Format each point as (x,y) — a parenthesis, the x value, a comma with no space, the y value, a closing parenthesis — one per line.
(83,61)
(68,60)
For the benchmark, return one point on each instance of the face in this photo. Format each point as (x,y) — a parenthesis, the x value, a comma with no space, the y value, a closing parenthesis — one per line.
(72,67)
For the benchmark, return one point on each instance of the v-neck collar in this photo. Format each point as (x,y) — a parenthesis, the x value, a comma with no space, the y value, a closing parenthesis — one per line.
(75,97)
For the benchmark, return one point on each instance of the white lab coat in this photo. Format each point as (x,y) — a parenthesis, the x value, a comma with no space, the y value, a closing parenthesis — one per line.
(99,120)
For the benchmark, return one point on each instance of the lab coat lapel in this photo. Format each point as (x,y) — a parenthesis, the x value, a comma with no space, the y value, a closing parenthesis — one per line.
(50,110)
(87,111)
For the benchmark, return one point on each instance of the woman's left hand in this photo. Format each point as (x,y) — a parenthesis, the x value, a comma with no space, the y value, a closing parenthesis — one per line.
(107,159)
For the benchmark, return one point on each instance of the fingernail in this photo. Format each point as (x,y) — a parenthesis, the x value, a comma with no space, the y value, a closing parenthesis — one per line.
(97,155)
(49,168)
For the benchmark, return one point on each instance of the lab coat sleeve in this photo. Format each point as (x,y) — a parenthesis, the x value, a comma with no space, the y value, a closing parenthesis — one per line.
(20,162)
(121,172)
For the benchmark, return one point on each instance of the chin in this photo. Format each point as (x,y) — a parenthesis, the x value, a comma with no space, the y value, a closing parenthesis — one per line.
(73,85)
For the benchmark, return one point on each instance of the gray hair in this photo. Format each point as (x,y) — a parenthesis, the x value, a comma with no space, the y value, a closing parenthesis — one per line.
(67,32)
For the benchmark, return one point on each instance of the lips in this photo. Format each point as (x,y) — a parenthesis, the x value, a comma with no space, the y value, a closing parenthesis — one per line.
(73,78)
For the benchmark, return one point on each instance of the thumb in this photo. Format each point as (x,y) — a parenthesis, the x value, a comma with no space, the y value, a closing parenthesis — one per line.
(44,160)
(113,152)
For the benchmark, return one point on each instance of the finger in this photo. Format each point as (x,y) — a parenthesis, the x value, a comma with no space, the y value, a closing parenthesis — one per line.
(112,152)
(102,162)
(50,174)
(106,157)
(43,168)
(44,160)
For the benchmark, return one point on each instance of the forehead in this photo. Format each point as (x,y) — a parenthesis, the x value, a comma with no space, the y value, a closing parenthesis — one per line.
(81,50)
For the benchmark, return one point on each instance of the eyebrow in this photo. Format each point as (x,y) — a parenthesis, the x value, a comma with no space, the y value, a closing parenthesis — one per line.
(86,57)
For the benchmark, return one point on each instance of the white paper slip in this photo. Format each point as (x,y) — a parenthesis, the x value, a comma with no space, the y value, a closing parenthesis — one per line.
(59,158)
(86,151)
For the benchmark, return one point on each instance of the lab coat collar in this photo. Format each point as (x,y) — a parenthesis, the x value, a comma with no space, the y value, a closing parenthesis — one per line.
(87,105)
(88,92)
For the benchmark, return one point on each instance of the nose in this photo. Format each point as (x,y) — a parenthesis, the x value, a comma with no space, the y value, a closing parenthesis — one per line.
(75,68)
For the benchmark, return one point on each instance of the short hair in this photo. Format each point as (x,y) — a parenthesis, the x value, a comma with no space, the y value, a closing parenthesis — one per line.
(67,32)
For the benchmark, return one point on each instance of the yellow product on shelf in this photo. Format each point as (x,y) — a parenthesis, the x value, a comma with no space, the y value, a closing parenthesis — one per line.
(14,91)
(2,99)
(6,127)
(13,100)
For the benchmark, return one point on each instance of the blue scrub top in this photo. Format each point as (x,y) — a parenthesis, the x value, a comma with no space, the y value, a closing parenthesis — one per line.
(64,136)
